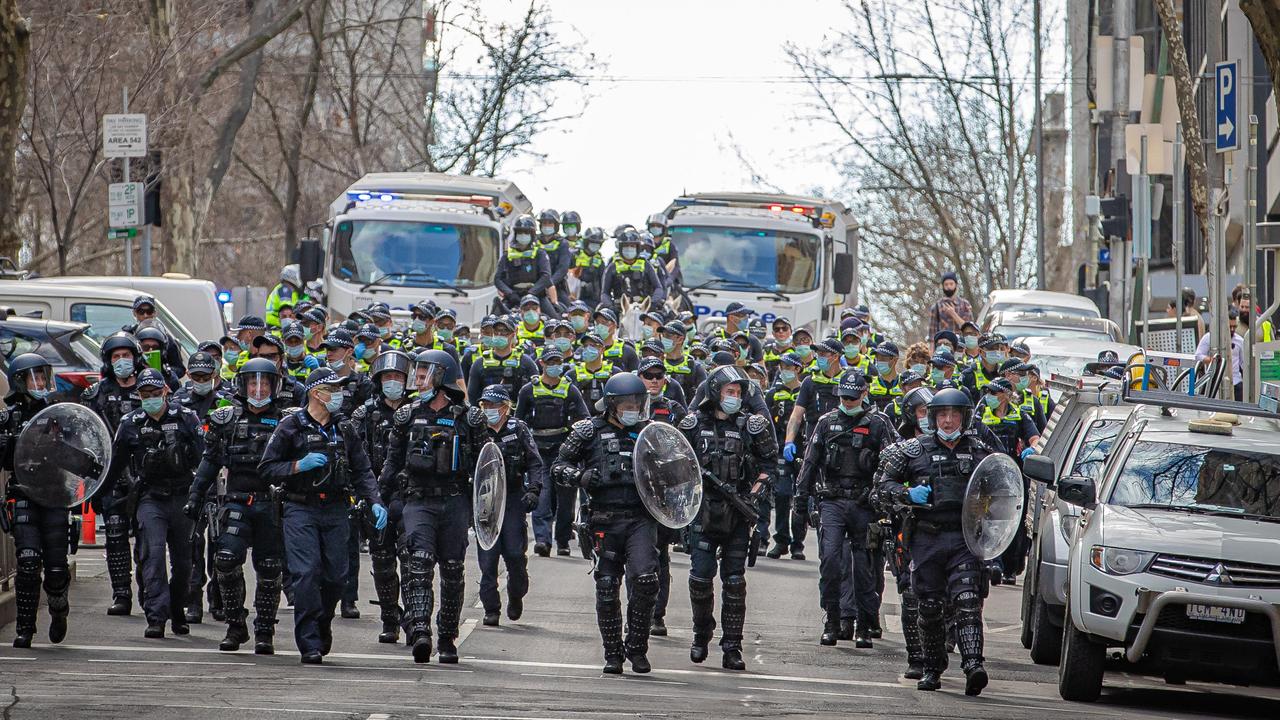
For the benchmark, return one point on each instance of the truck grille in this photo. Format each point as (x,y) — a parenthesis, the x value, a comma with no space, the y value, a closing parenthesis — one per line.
(1224,573)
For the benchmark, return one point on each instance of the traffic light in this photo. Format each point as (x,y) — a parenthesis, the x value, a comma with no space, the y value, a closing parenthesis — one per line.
(1114,213)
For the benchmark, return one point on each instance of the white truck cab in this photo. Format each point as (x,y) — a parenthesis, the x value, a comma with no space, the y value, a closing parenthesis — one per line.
(1175,565)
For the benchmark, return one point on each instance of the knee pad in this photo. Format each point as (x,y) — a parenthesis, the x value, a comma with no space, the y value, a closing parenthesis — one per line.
(225,561)
(932,609)
(29,561)
(116,525)
(700,588)
(647,585)
(967,601)
(421,562)
(607,586)
(382,556)
(735,585)
(451,571)
(268,568)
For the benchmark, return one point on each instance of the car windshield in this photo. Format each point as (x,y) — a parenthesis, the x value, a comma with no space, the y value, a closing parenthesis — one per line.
(415,254)
(1095,447)
(1025,331)
(778,260)
(1196,478)
(1030,307)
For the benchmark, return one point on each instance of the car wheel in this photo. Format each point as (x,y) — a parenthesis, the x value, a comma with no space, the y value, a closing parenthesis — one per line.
(1046,640)
(1031,581)
(1081,667)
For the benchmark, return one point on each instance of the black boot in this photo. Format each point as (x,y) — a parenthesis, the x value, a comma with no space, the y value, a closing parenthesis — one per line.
(237,635)
(733,659)
(390,632)
(639,662)
(847,626)
(386,584)
(644,595)
(862,639)
(452,587)
(609,620)
(57,580)
(658,628)
(930,680)
(911,636)
(448,651)
(119,563)
(776,551)
(195,612)
(418,600)
(349,610)
(515,608)
(975,678)
(542,549)
(830,629)
(121,605)
(933,634)
(26,592)
(266,604)
(263,643)
(702,598)
(422,647)
(733,615)
(969,639)
(612,665)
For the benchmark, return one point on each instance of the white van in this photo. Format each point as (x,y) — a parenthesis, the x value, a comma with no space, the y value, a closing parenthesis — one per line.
(105,310)
(193,300)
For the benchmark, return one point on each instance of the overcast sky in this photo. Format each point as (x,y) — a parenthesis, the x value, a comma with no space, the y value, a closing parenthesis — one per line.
(686,94)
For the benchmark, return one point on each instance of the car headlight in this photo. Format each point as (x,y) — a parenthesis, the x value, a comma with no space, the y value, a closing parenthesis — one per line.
(1119,561)
(1067,524)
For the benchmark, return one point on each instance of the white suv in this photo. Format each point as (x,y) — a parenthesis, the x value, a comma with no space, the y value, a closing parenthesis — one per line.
(1177,558)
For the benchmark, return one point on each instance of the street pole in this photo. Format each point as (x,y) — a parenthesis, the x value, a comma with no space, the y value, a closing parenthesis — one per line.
(1142,236)
(128,241)
(1039,132)
(1122,29)
(1011,152)
(1251,378)
(1176,246)
(1219,332)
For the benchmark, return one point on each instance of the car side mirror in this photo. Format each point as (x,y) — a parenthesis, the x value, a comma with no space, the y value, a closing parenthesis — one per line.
(1078,490)
(842,273)
(310,259)
(1040,467)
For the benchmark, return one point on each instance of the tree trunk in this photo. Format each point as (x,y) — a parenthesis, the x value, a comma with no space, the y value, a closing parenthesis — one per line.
(15,44)
(1197,165)
(293,153)
(1264,16)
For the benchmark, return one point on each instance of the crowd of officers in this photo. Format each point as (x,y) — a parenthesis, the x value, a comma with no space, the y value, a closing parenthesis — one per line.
(294,440)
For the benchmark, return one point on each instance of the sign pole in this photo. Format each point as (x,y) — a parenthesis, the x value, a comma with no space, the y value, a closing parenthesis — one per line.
(128,242)
(1177,235)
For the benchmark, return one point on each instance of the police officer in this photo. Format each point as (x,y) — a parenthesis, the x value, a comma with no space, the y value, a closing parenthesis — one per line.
(597,457)
(550,404)
(630,276)
(531,329)
(284,293)
(838,469)
(885,383)
(589,266)
(298,363)
(914,423)
(317,457)
(737,450)
(558,253)
(204,389)
(502,363)
(152,340)
(430,458)
(986,368)
(290,393)
(680,367)
(525,269)
(373,422)
(928,475)
(789,528)
(40,532)
(112,398)
(161,444)
(339,348)
(237,436)
(594,371)
(526,474)
(815,398)
(661,409)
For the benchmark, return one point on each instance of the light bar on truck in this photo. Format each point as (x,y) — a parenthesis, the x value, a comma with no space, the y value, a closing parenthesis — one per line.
(383,196)
(817,214)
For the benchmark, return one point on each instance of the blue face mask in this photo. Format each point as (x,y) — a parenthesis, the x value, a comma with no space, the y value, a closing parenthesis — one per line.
(938,375)
(731,405)
(337,365)
(590,354)
(949,436)
(492,416)
(418,326)
(1023,383)
(804,351)
(579,323)
(971,342)
(668,344)
(153,406)
(646,332)
(602,331)
(629,417)
(555,371)
(919,369)
(202,388)
(334,404)
(123,367)
(531,317)
(562,344)
(851,351)
(882,367)
(823,363)
(629,253)
(991,400)
(786,376)
(259,402)
(392,389)
(500,342)
(851,411)
(294,351)
(38,394)
(444,334)
(924,424)
(994,357)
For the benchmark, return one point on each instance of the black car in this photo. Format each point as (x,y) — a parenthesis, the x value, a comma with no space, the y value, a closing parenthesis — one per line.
(73,354)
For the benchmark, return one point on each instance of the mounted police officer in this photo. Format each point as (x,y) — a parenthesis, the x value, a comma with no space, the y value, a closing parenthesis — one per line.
(373,422)
(550,404)
(630,276)
(838,469)
(558,254)
(40,532)
(317,458)
(526,474)
(928,476)
(597,457)
(112,398)
(161,444)
(245,514)
(737,450)
(430,459)
(589,267)
(525,269)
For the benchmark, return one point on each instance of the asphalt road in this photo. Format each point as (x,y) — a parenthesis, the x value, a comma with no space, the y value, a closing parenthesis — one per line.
(547,666)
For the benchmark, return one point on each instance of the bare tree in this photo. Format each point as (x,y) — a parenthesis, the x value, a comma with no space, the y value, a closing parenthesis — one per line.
(15,41)
(1185,85)
(935,149)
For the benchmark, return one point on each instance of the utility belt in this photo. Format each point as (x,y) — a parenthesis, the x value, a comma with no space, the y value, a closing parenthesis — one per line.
(422,492)
(556,433)
(934,526)
(607,515)
(840,493)
(247,499)
(316,499)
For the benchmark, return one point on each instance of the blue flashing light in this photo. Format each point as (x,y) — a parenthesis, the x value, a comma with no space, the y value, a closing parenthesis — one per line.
(365,195)
(386,197)
(224,296)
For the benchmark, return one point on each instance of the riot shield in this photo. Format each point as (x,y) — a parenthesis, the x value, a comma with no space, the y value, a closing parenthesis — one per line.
(489,499)
(992,512)
(668,476)
(61,456)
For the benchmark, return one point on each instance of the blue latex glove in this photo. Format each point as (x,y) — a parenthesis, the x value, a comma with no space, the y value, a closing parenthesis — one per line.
(919,494)
(360,350)
(311,461)
(1027,451)
(789,452)
(379,516)
(311,362)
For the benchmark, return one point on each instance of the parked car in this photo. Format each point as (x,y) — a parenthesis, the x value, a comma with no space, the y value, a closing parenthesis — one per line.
(1021,324)
(1176,559)
(105,310)
(195,301)
(67,346)
(1038,301)
(1068,356)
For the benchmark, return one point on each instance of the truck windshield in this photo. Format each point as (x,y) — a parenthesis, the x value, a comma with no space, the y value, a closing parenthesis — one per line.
(782,261)
(1195,478)
(414,254)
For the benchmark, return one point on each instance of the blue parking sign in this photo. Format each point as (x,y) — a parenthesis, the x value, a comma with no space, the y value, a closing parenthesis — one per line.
(1227,117)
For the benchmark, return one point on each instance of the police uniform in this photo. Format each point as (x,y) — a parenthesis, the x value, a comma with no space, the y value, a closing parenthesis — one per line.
(591,382)
(316,525)
(161,455)
(838,469)
(373,423)
(590,275)
(790,529)
(550,412)
(524,272)
(526,474)
(511,371)
(943,569)
(246,518)
(733,451)
(202,570)
(560,259)
(635,279)
(112,402)
(40,536)
(687,372)
(430,459)
(597,456)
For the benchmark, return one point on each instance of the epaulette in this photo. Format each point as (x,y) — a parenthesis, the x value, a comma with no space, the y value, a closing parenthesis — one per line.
(757,424)
(403,414)
(688,422)
(222,415)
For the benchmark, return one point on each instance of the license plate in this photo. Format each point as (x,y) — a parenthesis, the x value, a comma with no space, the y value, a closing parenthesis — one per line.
(1213,613)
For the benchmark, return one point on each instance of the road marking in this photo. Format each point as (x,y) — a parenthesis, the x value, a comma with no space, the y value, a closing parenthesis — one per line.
(169,662)
(20,659)
(1047,709)
(567,677)
(464,632)
(817,692)
(1006,628)
(258,709)
(379,716)
(534,717)
(702,673)
(148,676)
(387,668)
